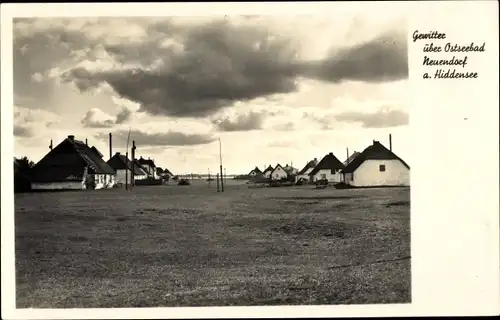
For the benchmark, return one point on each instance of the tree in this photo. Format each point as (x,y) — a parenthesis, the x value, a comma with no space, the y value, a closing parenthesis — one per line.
(22,169)
(25,164)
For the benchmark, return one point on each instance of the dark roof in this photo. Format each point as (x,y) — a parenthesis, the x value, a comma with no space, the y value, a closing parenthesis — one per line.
(351,157)
(148,162)
(256,170)
(268,169)
(290,169)
(310,164)
(328,162)
(166,171)
(96,151)
(120,162)
(67,162)
(279,165)
(374,152)
(17,165)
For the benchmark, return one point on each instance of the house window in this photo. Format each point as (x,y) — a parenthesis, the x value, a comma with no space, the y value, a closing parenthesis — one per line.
(323,176)
(332,171)
(381,168)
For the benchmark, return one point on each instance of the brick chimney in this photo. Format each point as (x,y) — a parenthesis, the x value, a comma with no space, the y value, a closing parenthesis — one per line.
(71,137)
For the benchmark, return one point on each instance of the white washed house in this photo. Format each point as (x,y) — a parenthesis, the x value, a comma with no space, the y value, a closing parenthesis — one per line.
(290,170)
(329,168)
(255,172)
(278,173)
(149,167)
(267,172)
(72,165)
(304,173)
(377,166)
(124,168)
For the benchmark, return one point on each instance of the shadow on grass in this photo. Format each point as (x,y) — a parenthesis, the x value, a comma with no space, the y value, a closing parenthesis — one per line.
(312,230)
(398,203)
(318,198)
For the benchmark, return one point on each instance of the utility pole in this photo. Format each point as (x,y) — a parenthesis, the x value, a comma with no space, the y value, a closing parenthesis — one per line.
(220,159)
(209,182)
(218,190)
(132,178)
(126,159)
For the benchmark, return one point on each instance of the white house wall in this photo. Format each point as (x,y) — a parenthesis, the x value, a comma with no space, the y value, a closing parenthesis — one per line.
(151,171)
(279,173)
(122,173)
(368,174)
(104,181)
(327,174)
(67,185)
(305,175)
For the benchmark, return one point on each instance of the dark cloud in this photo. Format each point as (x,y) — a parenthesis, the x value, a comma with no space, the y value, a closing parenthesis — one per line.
(123,116)
(91,118)
(22,131)
(170,138)
(196,70)
(90,121)
(384,58)
(216,65)
(243,122)
(381,119)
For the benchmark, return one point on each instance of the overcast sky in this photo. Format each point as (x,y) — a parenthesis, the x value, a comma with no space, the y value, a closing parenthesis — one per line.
(274,89)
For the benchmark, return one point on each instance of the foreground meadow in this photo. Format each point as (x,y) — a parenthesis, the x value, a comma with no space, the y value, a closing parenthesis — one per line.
(191,246)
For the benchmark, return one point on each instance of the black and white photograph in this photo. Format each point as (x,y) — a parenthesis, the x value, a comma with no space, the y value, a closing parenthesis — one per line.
(234,160)
(213,160)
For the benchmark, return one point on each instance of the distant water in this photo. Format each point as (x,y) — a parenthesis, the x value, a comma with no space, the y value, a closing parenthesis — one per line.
(227,182)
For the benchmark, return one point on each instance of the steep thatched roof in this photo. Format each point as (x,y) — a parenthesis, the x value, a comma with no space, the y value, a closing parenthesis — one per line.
(268,169)
(309,165)
(148,162)
(374,152)
(329,162)
(120,162)
(67,162)
(256,170)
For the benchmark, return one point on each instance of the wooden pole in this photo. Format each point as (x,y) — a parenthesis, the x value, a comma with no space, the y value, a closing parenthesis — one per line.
(126,171)
(209,182)
(132,177)
(221,174)
(110,145)
(218,190)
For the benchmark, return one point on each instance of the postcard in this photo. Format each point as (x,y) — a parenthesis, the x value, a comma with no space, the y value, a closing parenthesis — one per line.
(211,160)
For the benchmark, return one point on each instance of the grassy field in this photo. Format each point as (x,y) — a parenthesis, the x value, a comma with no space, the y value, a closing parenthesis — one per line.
(191,246)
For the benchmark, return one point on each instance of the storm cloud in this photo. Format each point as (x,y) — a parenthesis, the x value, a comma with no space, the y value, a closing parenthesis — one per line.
(22,131)
(170,138)
(242,122)
(381,119)
(202,70)
(384,58)
(183,70)
(95,118)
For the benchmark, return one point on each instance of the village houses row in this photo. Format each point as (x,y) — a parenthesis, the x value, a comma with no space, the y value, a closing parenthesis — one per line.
(375,166)
(73,165)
